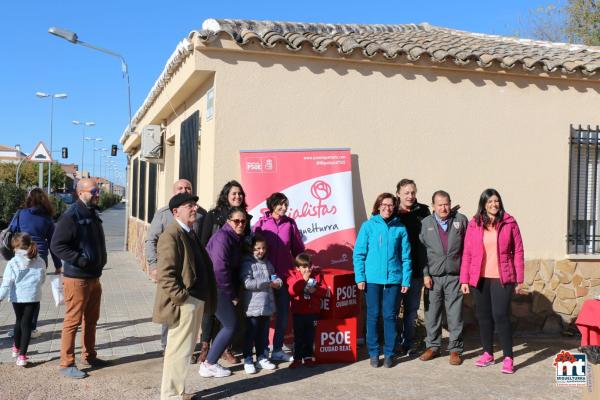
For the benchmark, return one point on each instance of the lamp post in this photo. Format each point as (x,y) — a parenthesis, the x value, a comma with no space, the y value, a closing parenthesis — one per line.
(52,96)
(93,139)
(72,38)
(83,126)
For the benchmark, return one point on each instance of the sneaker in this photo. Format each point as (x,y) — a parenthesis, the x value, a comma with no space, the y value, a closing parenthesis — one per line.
(309,362)
(507,366)
(15,352)
(388,362)
(214,370)
(264,363)
(249,366)
(281,356)
(72,372)
(22,361)
(35,334)
(374,361)
(295,364)
(485,360)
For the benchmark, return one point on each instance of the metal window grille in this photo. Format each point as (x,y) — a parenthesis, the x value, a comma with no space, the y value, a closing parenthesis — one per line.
(584,206)
(134,188)
(152,178)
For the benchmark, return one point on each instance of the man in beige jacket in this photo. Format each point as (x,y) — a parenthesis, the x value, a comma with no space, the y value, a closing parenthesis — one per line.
(185,289)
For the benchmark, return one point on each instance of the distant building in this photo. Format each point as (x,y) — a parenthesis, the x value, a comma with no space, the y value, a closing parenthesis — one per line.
(71,172)
(10,154)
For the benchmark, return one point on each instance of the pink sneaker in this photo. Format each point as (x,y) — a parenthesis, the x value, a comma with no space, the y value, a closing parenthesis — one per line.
(485,360)
(15,352)
(22,361)
(507,366)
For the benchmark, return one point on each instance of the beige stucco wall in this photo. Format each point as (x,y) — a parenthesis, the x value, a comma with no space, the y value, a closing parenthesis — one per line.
(461,131)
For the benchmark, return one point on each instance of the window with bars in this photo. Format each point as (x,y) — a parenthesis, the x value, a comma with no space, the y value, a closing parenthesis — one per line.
(152,193)
(584,205)
(142,201)
(134,187)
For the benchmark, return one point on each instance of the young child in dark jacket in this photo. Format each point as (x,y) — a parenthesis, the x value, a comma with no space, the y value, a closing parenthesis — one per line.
(259,279)
(306,288)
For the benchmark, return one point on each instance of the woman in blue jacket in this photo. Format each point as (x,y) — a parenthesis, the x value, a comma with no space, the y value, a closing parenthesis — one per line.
(35,218)
(382,266)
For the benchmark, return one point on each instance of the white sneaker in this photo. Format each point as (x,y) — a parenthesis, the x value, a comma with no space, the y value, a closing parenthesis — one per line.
(281,356)
(35,334)
(22,361)
(249,366)
(214,370)
(264,363)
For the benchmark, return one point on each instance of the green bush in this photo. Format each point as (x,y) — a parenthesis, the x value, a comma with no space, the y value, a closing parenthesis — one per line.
(11,198)
(58,205)
(107,200)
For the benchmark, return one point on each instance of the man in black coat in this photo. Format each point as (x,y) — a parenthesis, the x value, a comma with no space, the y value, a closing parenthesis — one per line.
(411,214)
(79,241)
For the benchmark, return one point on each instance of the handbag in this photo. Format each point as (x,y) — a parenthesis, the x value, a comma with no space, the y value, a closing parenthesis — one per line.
(6,236)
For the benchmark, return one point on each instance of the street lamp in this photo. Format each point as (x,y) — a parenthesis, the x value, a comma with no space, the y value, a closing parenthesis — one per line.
(93,139)
(83,126)
(72,37)
(52,96)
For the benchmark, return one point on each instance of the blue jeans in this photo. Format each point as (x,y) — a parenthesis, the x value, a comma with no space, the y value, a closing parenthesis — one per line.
(228,318)
(381,300)
(282,309)
(411,301)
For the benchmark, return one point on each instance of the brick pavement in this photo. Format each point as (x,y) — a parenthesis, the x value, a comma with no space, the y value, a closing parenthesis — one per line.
(125,327)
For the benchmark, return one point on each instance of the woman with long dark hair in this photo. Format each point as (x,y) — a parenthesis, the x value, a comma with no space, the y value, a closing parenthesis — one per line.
(492,269)
(35,218)
(383,269)
(232,195)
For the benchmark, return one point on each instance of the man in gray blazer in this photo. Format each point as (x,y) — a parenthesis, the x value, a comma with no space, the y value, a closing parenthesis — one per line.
(442,234)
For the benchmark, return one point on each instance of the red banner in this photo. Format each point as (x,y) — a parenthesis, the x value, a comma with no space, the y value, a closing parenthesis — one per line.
(318,184)
(335,341)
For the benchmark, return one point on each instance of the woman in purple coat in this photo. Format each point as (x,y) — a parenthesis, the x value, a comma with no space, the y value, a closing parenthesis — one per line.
(225,249)
(284,242)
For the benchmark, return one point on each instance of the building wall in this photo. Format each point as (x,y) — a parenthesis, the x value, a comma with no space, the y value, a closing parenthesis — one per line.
(456,129)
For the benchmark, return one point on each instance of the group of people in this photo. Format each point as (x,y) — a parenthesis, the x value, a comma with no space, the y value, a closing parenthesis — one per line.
(77,246)
(403,248)
(216,276)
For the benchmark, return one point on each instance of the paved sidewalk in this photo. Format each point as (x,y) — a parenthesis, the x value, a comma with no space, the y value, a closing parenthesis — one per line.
(125,327)
(130,340)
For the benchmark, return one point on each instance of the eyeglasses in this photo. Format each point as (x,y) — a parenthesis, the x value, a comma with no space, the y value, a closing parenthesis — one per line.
(190,205)
(386,206)
(92,191)
(239,221)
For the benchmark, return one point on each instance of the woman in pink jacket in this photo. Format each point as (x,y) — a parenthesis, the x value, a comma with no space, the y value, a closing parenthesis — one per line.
(284,242)
(492,269)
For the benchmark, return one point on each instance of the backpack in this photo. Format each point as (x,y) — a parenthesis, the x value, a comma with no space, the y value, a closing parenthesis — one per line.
(6,236)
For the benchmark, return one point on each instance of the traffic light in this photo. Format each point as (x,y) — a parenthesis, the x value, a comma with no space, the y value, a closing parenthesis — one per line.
(113,150)
(65,152)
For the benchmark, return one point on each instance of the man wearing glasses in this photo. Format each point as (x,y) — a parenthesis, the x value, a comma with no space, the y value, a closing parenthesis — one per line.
(185,288)
(79,241)
(163,218)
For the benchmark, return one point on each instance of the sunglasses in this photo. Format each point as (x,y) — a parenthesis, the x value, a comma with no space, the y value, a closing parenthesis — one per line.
(93,191)
(239,221)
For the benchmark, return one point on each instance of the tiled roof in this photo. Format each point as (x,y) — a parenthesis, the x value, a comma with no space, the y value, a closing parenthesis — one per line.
(412,42)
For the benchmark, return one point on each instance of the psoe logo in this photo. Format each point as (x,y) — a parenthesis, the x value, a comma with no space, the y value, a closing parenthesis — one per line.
(570,369)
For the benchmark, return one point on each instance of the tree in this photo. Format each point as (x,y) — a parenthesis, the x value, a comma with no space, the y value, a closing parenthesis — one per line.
(573,21)
(28,174)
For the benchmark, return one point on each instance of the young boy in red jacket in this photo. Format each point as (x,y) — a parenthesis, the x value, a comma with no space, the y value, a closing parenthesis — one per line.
(306,288)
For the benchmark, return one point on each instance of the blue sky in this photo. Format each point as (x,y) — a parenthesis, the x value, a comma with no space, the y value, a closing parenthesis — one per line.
(146,33)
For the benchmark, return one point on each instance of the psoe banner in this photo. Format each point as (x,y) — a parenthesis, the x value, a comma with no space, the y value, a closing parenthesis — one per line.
(318,184)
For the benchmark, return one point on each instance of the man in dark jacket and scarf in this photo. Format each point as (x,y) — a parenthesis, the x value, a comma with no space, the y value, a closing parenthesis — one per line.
(411,214)
(79,241)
